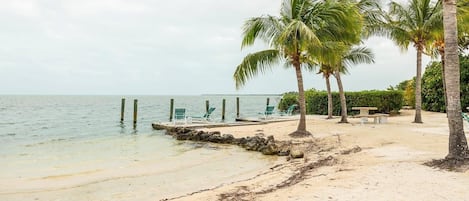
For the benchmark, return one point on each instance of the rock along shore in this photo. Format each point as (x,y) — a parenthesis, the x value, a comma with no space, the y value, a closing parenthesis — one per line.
(267,146)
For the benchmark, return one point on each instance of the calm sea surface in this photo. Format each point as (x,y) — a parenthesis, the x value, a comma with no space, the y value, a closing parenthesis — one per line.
(75,148)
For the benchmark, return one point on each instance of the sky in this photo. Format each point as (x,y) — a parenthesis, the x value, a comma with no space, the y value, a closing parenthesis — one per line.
(156,47)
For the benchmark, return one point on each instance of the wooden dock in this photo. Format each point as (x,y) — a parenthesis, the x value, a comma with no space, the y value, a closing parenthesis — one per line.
(209,124)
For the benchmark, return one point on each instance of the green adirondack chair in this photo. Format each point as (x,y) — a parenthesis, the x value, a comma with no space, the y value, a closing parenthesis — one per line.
(180,115)
(289,110)
(206,116)
(269,110)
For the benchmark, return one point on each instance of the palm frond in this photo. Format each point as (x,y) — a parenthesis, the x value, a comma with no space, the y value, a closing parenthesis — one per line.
(416,22)
(254,64)
(309,65)
(298,33)
(330,53)
(336,21)
(264,28)
(373,17)
(358,55)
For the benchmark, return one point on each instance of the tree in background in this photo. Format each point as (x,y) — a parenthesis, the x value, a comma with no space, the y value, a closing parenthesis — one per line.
(414,23)
(433,93)
(409,93)
(354,56)
(327,71)
(370,17)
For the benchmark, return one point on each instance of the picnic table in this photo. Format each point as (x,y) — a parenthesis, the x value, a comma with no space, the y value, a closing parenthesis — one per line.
(365,114)
(364,110)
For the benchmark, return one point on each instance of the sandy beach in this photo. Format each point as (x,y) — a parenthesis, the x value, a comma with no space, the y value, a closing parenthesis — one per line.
(351,161)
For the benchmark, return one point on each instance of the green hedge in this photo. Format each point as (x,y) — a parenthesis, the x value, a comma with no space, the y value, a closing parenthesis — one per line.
(433,98)
(288,99)
(432,86)
(316,101)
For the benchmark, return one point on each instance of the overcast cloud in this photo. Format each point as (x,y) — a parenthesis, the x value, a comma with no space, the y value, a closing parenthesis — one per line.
(154,47)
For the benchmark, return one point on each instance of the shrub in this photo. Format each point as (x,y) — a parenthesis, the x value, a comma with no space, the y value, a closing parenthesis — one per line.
(288,99)
(433,98)
(432,86)
(385,101)
(409,93)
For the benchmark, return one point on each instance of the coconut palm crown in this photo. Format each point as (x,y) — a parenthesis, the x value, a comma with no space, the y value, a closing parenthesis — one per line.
(293,37)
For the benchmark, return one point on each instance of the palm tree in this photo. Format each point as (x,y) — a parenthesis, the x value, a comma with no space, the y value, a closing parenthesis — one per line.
(292,38)
(457,148)
(327,71)
(371,16)
(414,24)
(343,100)
(354,56)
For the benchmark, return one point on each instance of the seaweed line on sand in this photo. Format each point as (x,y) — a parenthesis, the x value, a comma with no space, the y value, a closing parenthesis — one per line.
(242,193)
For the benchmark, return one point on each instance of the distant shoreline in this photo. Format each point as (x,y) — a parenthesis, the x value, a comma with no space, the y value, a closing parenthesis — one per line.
(241,94)
(140,95)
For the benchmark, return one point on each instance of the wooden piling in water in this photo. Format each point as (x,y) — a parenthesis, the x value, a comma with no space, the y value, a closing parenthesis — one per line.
(122,109)
(237,107)
(207,105)
(223,110)
(135,112)
(171,109)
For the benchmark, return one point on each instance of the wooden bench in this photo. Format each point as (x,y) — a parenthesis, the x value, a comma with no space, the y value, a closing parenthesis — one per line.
(378,118)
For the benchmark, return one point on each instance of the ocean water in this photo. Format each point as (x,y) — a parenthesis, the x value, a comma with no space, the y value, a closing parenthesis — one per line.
(76,148)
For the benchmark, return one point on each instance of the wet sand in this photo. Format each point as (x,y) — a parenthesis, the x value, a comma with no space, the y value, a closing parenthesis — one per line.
(194,166)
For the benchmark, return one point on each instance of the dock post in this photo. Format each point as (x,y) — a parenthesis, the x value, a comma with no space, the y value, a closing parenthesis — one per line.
(135,112)
(223,110)
(268,100)
(237,107)
(207,104)
(280,103)
(171,109)
(122,109)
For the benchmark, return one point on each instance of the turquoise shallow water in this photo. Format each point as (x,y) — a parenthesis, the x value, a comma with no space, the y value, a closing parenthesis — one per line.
(52,146)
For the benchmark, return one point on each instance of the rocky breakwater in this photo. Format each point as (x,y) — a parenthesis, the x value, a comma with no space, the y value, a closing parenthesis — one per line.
(267,146)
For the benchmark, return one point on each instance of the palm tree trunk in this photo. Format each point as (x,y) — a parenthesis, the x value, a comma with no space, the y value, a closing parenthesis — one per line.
(343,102)
(457,146)
(301,130)
(329,97)
(418,86)
(441,50)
